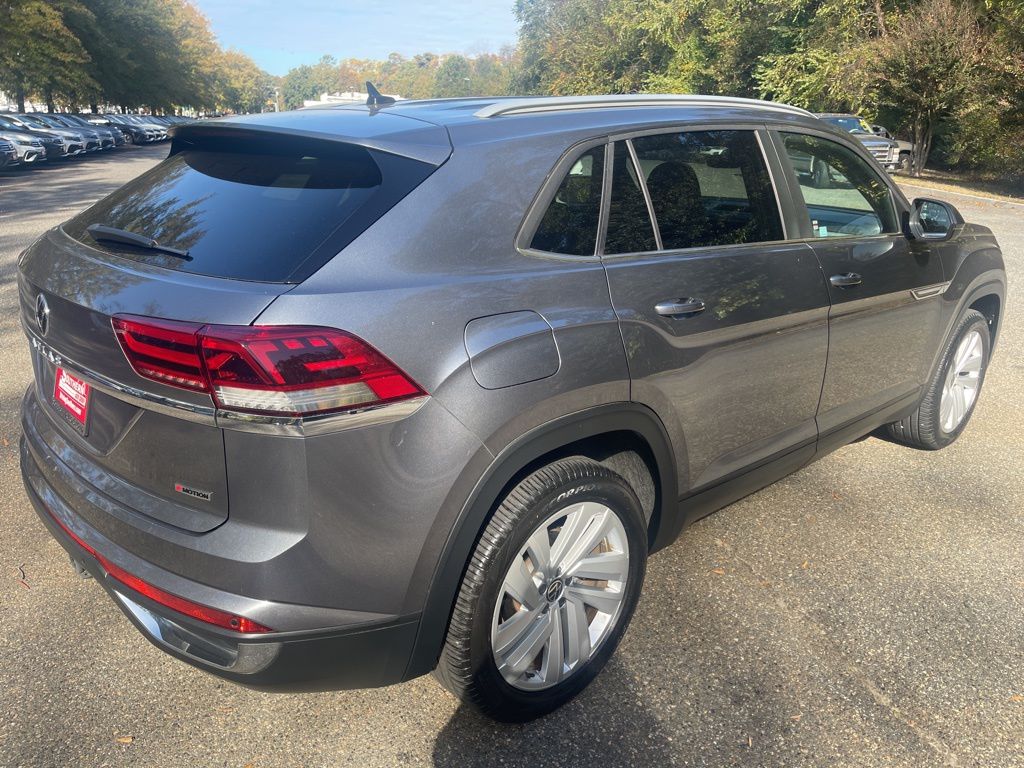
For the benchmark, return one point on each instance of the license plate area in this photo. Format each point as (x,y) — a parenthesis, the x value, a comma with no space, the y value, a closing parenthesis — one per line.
(71,396)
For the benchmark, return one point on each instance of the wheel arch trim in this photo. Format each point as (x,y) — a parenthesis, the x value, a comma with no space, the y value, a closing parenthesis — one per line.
(510,462)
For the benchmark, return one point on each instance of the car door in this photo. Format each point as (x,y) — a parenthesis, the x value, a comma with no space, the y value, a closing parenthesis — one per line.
(724,321)
(883,289)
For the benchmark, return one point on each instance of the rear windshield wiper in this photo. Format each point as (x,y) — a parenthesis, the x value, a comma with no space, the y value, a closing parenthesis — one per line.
(113,235)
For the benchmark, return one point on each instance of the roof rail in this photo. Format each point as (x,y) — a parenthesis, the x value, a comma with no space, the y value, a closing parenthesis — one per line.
(563,103)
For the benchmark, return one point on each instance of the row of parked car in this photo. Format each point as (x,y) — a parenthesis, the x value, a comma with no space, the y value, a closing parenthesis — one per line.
(29,138)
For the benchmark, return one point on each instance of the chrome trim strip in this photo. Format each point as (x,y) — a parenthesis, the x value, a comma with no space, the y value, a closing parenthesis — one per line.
(929,291)
(201,414)
(292,426)
(309,426)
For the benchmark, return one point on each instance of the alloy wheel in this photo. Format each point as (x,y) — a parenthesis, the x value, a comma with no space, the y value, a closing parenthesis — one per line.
(561,597)
(962,381)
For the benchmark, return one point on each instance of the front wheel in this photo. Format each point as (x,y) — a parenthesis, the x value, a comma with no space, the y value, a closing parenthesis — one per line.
(548,593)
(953,392)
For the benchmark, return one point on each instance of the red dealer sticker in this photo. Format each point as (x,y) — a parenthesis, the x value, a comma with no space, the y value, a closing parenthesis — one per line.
(73,395)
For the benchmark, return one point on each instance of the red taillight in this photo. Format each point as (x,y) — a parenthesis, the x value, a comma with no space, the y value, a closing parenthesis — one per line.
(162,350)
(181,605)
(279,370)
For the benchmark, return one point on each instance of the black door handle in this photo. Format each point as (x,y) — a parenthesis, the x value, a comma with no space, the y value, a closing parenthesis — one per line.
(677,307)
(846,280)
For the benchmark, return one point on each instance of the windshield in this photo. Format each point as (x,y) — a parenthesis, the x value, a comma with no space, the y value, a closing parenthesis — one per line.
(30,120)
(849,123)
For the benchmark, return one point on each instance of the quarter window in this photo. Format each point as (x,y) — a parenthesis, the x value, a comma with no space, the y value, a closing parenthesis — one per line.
(570,222)
(844,195)
(709,188)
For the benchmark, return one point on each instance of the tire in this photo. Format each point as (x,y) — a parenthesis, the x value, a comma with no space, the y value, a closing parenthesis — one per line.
(906,163)
(559,497)
(935,424)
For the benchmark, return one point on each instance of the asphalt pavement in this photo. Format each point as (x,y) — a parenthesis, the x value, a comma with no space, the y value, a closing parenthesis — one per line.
(866,611)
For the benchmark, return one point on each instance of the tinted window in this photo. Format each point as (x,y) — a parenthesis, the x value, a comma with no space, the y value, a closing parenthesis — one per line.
(629,223)
(570,222)
(265,217)
(709,188)
(850,124)
(843,193)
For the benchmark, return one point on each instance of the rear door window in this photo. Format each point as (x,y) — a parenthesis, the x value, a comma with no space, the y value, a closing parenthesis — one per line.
(261,216)
(709,188)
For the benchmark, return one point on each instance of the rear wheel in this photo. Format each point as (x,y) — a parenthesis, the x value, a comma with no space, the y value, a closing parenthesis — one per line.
(953,392)
(548,593)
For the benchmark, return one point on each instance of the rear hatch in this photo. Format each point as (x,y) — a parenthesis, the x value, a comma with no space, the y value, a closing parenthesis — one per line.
(258,205)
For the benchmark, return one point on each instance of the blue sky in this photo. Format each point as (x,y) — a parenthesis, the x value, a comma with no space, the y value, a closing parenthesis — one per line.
(280,35)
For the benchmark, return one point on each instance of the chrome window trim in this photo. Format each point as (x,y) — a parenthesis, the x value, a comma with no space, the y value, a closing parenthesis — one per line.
(209,415)
(642,181)
(606,197)
(546,193)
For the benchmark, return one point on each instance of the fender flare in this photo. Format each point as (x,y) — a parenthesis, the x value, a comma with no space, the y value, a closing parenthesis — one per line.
(987,283)
(458,549)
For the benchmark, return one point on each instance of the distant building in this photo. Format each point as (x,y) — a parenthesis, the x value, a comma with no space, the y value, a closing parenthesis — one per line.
(348,97)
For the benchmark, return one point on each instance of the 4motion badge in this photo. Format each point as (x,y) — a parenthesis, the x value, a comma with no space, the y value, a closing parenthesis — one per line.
(195,493)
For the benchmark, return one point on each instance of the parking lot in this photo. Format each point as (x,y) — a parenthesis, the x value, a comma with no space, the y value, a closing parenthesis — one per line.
(866,611)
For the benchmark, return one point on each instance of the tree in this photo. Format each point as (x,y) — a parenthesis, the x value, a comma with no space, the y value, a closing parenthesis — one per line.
(932,67)
(309,82)
(244,87)
(453,77)
(38,53)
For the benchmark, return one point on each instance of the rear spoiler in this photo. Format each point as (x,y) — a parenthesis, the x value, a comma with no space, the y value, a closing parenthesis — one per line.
(384,132)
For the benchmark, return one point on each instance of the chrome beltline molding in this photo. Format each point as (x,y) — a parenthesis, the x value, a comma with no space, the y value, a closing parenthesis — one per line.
(294,426)
(309,426)
(929,291)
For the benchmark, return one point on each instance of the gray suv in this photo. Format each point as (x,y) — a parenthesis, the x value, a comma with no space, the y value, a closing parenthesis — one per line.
(338,397)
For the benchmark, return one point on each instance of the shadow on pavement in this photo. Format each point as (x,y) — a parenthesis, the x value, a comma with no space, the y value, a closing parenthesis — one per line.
(607,725)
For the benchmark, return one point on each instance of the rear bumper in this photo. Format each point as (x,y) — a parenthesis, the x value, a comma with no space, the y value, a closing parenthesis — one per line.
(331,657)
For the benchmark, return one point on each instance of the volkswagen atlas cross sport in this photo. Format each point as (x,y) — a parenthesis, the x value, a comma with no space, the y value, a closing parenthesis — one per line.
(338,397)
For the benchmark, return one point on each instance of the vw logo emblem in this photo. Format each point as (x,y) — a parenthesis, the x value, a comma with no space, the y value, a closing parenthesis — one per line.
(42,314)
(554,591)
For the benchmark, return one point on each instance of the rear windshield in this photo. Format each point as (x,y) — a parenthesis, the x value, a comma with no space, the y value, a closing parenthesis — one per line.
(256,216)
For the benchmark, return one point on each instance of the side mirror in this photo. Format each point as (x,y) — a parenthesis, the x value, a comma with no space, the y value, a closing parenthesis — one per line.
(932,220)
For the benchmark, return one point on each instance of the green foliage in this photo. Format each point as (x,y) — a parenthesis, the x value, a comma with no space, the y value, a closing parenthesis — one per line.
(38,53)
(424,76)
(935,70)
(158,54)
